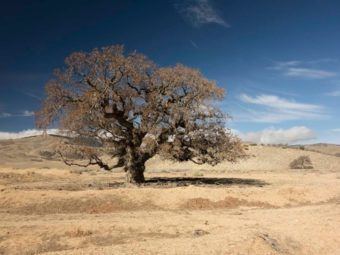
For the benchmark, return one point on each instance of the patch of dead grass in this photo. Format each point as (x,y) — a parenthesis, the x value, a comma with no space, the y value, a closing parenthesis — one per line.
(91,205)
(228,202)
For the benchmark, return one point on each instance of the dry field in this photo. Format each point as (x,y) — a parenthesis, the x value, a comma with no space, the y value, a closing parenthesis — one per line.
(330,149)
(256,207)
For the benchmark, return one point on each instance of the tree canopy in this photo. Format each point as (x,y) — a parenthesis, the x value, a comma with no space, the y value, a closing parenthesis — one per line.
(134,109)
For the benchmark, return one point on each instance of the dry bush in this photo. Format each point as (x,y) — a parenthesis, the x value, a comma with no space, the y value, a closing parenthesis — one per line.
(49,155)
(302,162)
(78,232)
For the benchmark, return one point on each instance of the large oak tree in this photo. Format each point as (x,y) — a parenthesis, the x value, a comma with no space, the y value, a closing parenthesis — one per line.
(132,109)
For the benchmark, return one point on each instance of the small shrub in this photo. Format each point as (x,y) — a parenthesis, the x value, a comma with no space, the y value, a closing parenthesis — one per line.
(74,155)
(302,162)
(337,154)
(47,154)
(301,147)
(76,171)
(78,232)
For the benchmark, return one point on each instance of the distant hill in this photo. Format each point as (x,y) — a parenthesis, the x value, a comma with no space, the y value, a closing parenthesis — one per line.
(34,151)
(38,152)
(325,148)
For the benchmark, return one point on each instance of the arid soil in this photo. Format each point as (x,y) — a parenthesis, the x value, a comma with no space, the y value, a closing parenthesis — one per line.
(330,149)
(258,206)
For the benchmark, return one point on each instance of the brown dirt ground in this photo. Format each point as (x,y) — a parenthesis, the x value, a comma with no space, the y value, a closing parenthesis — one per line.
(255,207)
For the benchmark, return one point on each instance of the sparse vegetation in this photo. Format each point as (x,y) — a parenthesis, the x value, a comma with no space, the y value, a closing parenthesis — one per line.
(55,211)
(47,154)
(78,232)
(302,162)
(76,171)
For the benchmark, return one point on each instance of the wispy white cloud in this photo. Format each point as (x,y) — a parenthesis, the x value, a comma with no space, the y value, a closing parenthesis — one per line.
(194,44)
(277,116)
(280,103)
(335,130)
(32,95)
(200,12)
(5,115)
(25,113)
(321,61)
(273,135)
(335,93)
(276,109)
(25,133)
(283,65)
(309,73)
(303,69)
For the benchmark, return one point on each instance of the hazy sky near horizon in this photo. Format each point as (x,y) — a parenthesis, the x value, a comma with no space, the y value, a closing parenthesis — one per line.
(278,60)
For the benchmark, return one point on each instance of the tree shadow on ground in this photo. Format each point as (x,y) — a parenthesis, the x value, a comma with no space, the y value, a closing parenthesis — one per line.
(204,181)
(169,182)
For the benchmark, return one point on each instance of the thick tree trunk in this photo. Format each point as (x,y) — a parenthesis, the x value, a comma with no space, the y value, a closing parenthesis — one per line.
(134,167)
(135,175)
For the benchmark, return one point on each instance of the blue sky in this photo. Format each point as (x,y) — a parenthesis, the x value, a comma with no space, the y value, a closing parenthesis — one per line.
(278,60)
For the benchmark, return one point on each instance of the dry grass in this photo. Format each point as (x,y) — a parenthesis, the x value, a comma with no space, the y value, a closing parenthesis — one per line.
(302,162)
(258,206)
